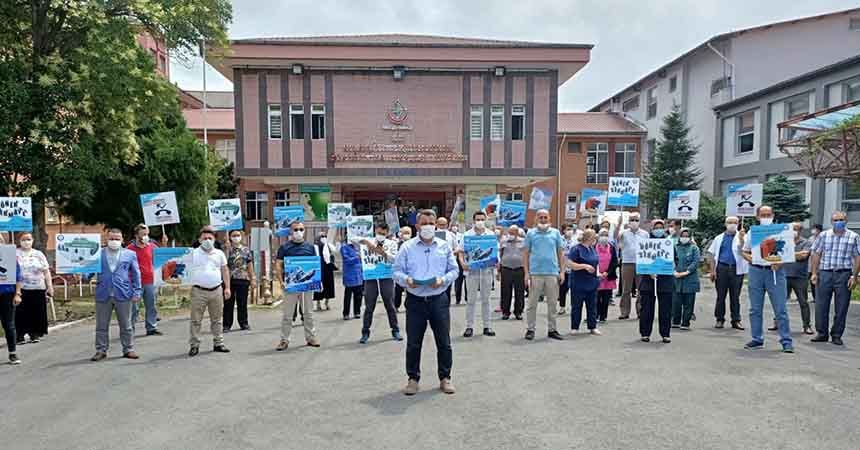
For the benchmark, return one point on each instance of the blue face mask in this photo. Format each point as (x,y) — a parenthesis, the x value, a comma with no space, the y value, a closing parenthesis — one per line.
(839,225)
(658,232)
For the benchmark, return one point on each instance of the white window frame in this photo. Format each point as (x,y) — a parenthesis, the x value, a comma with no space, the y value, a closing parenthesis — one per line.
(515,196)
(275,117)
(846,85)
(595,176)
(626,148)
(226,148)
(296,109)
(281,202)
(651,100)
(318,110)
(260,204)
(518,111)
(741,133)
(631,104)
(476,116)
(497,123)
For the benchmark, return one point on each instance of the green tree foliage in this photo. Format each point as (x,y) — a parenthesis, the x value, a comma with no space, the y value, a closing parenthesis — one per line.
(785,199)
(711,221)
(228,184)
(672,167)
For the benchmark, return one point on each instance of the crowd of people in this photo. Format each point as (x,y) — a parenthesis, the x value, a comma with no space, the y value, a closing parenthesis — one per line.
(541,264)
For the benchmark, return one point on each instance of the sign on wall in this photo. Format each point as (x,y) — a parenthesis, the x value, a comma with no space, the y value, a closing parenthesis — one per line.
(655,257)
(623,191)
(78,253)
(684,205)
(159,208)
(16,214)
(225,214)
(742,200)
(771,244)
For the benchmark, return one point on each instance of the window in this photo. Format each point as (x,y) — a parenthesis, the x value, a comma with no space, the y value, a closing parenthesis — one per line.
(226,148)
(851,201)
(275,121)
(297,122)
(318,122)
(652,102)
(673,83)
(625,160)
(597,164)
(854,23)
(851,90)
(572,198)
(514,196)
(631,104)
(746,132)
(800,185)
(574,147)
(256,205)
(476,123)
(720,84)
(282,198)
(497,123)
(518,122)
(797,106)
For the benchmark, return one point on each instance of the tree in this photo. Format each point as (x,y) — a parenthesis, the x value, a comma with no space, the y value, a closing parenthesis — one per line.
(785,199)
(711,221)
(228,184)
(673,166)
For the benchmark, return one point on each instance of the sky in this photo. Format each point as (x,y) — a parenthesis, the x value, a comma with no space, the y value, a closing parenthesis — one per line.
(630,37)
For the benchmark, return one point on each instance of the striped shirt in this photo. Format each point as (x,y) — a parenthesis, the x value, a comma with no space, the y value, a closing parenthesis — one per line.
(837,252)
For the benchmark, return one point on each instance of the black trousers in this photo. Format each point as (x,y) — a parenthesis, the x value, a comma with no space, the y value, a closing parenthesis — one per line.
(435,311)
(728,282)
(563,290)
(398,296)
(604,297)
(238,296)
(663,302)
(7,317)
(355,293)
(372,290)
(458,287)
(513,282)
(31,316)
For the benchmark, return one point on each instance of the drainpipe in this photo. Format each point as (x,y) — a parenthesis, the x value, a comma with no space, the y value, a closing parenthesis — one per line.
(732,66)
(558,207)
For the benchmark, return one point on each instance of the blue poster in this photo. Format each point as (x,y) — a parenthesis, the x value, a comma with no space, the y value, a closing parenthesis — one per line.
(374,266)
(285,216)
(16,214)
(772,244)
(623,191)
(593,202)
(512,213)
(302,274)
(481,251)
(489,204)
(173,264)
(655,257)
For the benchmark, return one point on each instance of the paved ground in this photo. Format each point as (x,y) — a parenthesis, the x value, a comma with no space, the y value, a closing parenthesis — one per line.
(702,391)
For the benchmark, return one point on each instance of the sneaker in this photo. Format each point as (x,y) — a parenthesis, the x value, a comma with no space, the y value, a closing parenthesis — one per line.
(555,335)
(561,311)
(685,328)
(574,331)
(623,317)
(468,333)
(596,332)
(220,349)
(283,345)
(193,351)
(530,335)
(225,329)
(34,340)
(13,359)
(411,387)
(154,333)
(520,317)
(737,326)
(666,340)
(808,330)
(676,326)
(98,356)
(313,342)
(773,327)
(396,335)
(446,386)
(364,339)
(787,349)
(357,316)
(753,345)
(506,317)
(130,355)
(722,324)
(489,332)
(819,338)
(645,339)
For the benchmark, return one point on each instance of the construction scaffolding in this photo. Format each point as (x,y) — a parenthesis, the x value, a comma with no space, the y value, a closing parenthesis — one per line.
(826,143)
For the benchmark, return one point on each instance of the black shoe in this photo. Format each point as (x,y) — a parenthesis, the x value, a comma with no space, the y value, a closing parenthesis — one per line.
(194,351)
(13,359)
(530,335)
(646,339)
(555,335)
(837,340)
(737,326)
(489,332)
(468,333)
(356,316)
(623,317)
(364,339)
(819,338)
(666,340)
(506,317)
(245,328)
(226,330)
(773,328)
(722,324)
(520,317)
(154,333)
(221,349)
(396,336)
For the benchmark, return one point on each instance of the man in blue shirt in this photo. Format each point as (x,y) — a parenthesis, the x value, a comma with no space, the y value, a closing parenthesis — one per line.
(728,268)
(426,267)
(117,289)
(296,246)
(542,258)
(10,297)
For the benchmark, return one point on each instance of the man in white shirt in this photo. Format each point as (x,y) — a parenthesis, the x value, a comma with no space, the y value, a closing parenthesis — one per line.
(211,280)
(628,241)
(479,282)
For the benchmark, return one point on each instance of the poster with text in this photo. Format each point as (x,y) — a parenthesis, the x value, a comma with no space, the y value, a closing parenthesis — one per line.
(16,214)
(481,252)
(684,205)
(339,214)
(593,202)
(314,200)
(540,199)
(655,257)
(771,244)
(512,213)
(742,200)
(374,266)
(302,274)
(225,214)
(285,216)
(359,227)
(159,208)
(171,263)
(8,264)
(570,209)
(623,191)
(78,253)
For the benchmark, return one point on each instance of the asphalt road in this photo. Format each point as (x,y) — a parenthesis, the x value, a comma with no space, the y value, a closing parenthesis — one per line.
(702,391)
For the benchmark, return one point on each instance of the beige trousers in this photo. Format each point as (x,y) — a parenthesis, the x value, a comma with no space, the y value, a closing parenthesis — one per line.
(546,286)
(201,300)
(289,305)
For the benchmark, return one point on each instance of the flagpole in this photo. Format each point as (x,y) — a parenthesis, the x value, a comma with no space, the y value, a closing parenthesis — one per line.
(205,110)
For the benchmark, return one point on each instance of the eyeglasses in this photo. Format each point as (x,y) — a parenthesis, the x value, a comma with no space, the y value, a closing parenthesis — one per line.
(299,229)
(633,220)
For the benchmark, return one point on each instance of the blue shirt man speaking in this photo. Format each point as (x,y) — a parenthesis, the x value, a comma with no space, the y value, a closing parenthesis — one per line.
(425,266)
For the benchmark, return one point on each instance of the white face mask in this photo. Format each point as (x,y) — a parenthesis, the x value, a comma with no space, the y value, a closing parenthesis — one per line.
(634,226)
(144,239)
(27,244)
(479,224)
(236,239)
(114,244)
(298,235)
(568,234)
(207,244)
(684,240)
(405,237)
(427,232)
(380,238)
(731,227)
(543,226)
(766,220)
(323,240)
(603,240)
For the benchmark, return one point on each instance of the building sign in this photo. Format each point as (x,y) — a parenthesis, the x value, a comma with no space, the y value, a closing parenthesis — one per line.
(397,115)
(414,153)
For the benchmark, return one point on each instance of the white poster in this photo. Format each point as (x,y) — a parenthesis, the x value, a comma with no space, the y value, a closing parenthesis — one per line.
(225,214)
(16,214)
(540,199)
(8,267)
(570,210)
(78,253)
(359,227)
(771,244)
(742,200)
(684,205)
(159,208)
(623,191)
(339,214)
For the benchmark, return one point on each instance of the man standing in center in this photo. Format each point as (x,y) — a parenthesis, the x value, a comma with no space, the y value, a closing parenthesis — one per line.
(628,240)
(211,280)
(477,279)
(426,266)
(728,268)
(117,289)
(386,249)
(542,259)
(296,246)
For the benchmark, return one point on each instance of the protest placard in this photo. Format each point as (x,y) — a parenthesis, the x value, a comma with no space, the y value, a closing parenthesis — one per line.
(481,251)
(684,205)
(159,208)
(593,202)
(78,253)
(285,216)
(16,214)
(771,244)
(225,214)
(655,257)
(742,200)
(302,274)
(623,191)
(512,213)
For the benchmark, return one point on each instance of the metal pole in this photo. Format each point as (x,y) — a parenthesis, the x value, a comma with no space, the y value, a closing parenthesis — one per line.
(205,109)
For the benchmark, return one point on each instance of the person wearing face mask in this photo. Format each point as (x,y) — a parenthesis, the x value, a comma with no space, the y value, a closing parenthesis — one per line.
(687,257)
(453,242)
(770,279)
(542,259)
(296,246)
(797,278)
(240,261)
(405,236)
(673,232)
(727,270)
(386,249)
(10,298)
(655,295)
(31,316)
(143,247)
(327,251)
(571,239)
(816,231)
(461,279)
(835,272)
(118,287)
(628,241)
(511,273)
(478,281)
(607,255)
(210,277)
(585,263)
(353,281)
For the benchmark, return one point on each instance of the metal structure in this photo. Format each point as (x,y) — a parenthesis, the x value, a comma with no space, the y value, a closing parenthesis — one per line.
(826,143)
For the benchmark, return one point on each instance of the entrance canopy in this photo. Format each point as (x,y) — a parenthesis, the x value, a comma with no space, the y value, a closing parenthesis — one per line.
(825,143)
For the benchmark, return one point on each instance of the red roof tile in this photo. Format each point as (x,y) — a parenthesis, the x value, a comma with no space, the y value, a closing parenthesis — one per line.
(403,40)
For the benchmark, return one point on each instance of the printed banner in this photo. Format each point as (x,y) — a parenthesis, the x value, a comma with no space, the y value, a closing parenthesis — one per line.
(655,257)
(474,196)
(490,205)
(512,213)
(78,253)
(612,217)
(540,199)
(359,227)
(172,262)
(684,205)
(772,244)
(225,214)
(593,202)
(302,274)
(481,251)
(339,214)
(16,214)
(314,200)
(374,266)
(159,208)
(742,200)
(623,191)
(285,216)
(8,264)
(570,210)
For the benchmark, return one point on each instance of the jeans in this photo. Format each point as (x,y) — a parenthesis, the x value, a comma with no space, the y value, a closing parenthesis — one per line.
(683,305)
(7,317)
(763,279)
(238,296)
(513,282)
(831,283)
(604,297)
(664,314)
(577,298)
(728,282)
(151,317)
(354,292)
(478,287)
(800,286)
(104,310)
(372,290)
(435,311)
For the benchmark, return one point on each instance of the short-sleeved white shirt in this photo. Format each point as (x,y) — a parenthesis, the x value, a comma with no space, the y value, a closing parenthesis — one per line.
(205,268)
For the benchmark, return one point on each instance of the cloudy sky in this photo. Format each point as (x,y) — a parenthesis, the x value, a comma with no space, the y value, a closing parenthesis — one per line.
(631,37)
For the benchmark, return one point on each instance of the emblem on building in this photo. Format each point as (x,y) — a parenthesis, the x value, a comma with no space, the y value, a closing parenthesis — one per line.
(397,115)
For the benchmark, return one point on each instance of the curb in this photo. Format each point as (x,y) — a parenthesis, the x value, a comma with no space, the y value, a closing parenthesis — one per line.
(59,327)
